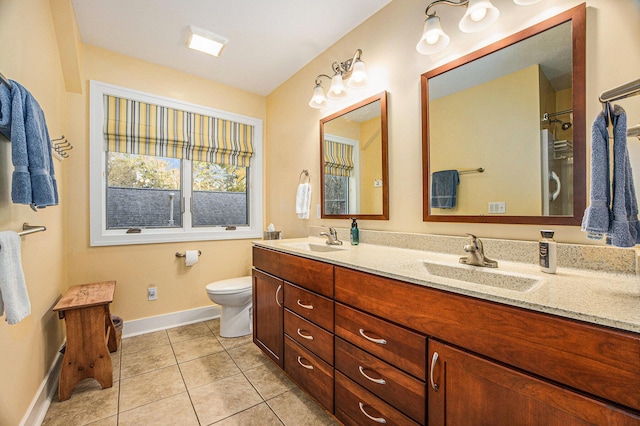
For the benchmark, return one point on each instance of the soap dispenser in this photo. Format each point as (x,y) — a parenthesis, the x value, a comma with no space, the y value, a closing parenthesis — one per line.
(355,237)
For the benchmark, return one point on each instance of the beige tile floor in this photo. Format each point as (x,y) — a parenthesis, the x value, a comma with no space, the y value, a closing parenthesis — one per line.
(189,376)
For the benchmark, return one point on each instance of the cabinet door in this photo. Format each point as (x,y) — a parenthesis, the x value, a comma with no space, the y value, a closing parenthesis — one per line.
(468,390)
(268,315)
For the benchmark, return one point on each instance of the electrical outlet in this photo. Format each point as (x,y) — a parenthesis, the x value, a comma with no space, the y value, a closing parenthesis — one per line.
(317,211)
(152,293)
(497,207)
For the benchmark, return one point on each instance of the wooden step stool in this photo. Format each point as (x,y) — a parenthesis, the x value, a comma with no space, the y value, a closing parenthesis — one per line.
(91,335)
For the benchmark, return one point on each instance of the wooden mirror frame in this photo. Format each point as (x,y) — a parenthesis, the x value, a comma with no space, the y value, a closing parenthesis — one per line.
(577,17)
(382,97)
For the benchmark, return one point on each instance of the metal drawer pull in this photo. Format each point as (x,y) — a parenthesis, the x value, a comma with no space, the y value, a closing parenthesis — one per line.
(308,367)
(433,365)
(305,336)
(302,305)
(278,291)
(371,339)
(375,419)
(378,381)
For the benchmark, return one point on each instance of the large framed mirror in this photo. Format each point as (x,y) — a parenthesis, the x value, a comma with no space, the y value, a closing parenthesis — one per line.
(354,165)
(504,129)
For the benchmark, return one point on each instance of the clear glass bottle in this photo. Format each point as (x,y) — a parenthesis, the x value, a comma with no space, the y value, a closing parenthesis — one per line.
(547,252)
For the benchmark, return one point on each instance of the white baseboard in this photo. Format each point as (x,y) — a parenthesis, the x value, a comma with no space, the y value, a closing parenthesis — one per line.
(174,319)
(40,404)
(41,401)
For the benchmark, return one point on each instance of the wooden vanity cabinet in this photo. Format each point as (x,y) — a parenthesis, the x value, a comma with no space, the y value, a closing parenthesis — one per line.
(495,364)
(467,390)
(307,327)
(268,319)
(580,358)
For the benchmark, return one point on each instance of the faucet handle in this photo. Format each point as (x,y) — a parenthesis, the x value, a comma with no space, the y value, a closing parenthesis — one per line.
(333,232)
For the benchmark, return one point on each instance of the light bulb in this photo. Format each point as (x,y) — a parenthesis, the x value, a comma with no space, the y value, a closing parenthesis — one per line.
(478,14)
(358,78)
(433,38)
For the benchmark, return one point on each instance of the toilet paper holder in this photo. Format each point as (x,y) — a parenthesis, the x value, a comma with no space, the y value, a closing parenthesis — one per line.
(183,254)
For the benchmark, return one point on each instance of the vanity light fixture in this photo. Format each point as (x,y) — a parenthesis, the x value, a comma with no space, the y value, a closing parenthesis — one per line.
(480,15)
(206,41)
(352,70)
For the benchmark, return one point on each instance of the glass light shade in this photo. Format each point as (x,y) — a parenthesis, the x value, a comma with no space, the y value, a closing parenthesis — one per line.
(525,2)
(318,100)
(433,38)
(337,89)
(480,14)
(358,78)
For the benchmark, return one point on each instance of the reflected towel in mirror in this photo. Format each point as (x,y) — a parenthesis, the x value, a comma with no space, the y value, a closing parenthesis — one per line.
(444,188)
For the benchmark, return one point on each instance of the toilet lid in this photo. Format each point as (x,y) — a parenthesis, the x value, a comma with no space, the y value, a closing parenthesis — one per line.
(231,285)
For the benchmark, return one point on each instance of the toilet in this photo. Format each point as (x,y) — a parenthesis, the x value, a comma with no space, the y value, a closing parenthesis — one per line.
(234,297)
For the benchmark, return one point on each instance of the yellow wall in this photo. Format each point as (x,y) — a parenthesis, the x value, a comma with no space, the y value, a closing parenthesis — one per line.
(388,42)
(29,55)
(370,166)
(460,119)
(61,256)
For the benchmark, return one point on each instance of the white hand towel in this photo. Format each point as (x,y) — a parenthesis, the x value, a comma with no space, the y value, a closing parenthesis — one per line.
(14,298)
(303,200)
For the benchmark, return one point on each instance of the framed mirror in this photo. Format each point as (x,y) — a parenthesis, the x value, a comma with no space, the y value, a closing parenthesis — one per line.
(354,169)
(503,129)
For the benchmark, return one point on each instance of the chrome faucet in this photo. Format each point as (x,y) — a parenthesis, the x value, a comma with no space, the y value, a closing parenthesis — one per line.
(476,254)
(332,237)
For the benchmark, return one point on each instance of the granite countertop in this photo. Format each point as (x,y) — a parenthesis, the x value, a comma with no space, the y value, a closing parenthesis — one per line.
(609,299)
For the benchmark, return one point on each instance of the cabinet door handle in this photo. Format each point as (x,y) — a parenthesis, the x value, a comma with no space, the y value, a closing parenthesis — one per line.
(375,419)
(371,339)
(378,381)
(434,386)
(307,366)
(278,291)
(302,305)
(305,336)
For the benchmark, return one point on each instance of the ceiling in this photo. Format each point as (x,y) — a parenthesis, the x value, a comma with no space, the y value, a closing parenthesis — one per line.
(269,41)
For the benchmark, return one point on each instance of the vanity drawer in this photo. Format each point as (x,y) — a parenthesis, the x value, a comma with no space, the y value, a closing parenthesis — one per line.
(310,306)
(398,346)
(399,389)
(310,274)
(357,406)
(310,372)
(309,335)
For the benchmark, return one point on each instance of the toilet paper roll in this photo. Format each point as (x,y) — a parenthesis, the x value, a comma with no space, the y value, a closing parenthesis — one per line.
(191,257)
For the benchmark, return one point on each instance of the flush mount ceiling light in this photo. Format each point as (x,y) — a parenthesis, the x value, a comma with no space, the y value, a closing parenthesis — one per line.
(352,70)
(206,41)
(480,15)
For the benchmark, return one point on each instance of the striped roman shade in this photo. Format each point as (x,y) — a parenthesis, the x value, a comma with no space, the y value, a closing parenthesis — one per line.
(135,127)
(338,158)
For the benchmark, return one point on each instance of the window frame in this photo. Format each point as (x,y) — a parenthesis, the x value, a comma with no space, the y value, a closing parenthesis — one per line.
(100,236)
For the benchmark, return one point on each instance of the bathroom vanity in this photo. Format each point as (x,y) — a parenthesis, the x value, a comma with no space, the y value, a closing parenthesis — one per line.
(373,344)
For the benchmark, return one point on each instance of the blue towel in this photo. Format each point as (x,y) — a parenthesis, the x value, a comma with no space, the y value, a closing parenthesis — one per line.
(443,189)
(597,216)
(22,121)
(14,299)
(624,228)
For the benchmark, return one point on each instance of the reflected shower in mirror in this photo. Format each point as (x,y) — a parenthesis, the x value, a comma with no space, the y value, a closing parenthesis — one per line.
(516,110)
(354,166)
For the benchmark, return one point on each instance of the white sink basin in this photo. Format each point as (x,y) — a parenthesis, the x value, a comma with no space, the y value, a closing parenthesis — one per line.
(482,276)
(321,248)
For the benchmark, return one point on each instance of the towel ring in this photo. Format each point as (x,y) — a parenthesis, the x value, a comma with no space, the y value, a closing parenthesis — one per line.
(305,174)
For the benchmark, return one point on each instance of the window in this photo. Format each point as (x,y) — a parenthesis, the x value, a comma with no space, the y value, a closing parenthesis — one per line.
(341,180)
(163,170)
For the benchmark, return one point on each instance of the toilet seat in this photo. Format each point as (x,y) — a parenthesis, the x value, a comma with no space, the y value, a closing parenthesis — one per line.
(230,286)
